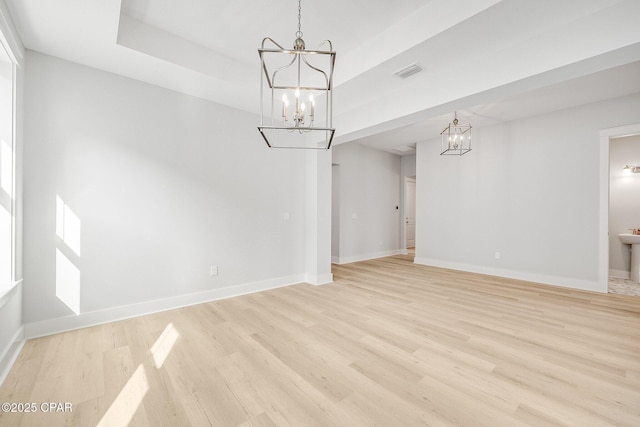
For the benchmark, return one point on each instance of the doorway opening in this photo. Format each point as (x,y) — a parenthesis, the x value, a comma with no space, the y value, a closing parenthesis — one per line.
(608,233)
(624,214)
(409,220)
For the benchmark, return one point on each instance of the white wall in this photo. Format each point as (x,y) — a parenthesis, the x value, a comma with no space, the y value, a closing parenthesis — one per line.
(369,191)
(624,201)
(163,185)
(408,165)
(528,190)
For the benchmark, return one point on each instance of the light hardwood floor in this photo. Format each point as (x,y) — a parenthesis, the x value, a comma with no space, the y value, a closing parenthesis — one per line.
(389,343)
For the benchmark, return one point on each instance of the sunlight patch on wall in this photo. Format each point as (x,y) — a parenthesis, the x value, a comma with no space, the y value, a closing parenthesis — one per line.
(67,273)
(67,282)
(67,226)
(163,345)
(124,407)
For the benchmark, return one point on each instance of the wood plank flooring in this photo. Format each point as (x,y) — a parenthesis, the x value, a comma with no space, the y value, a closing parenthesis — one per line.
(389,343)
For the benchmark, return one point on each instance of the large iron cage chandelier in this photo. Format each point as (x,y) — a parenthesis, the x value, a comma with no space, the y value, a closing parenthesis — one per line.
(455,139)
(296,99)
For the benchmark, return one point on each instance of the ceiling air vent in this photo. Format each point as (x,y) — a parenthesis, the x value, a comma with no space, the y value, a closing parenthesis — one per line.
(409,70)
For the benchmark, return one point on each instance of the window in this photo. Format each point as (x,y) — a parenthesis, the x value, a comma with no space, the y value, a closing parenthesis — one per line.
(7,174)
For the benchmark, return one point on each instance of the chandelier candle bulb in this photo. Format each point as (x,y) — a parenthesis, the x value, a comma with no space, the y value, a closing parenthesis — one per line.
(285,104)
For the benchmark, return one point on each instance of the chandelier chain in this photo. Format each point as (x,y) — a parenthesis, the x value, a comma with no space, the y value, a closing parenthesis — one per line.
(299,32)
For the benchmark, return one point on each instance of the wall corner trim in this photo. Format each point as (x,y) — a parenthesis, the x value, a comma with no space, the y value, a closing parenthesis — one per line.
(318,280)
(366,257)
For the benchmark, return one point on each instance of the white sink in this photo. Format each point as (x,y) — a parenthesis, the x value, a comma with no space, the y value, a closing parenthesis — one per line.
(630,239)
(634,241)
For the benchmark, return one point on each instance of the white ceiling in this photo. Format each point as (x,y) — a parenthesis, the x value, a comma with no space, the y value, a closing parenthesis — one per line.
(599,86)
(235,30)
(491,60)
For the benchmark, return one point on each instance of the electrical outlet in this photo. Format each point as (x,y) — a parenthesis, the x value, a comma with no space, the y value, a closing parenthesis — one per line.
(497,255)
(213,271)
(286,216)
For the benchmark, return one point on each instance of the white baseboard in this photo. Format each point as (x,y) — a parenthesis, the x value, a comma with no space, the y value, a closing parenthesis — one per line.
(83,320)
(565,282)
(335,259)
(317,280)
(365,257)
(622,274)
(10,354)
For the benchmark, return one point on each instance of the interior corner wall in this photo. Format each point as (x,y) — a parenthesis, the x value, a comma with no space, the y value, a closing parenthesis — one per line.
(624,201)
(335,213)
(134,192)
(369,199)
(318,217)
(525,202)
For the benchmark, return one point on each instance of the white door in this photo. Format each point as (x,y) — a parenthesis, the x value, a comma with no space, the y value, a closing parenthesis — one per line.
(410,212)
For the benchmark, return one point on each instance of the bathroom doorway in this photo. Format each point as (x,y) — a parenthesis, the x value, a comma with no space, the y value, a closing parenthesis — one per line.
(624,213)
(604,234)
